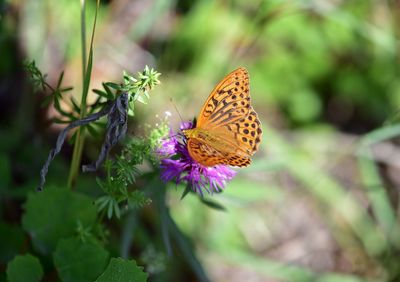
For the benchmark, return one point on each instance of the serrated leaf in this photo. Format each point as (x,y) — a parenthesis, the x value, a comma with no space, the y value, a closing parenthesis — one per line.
(53,213)
(26,268)
(78,261)
(120,270)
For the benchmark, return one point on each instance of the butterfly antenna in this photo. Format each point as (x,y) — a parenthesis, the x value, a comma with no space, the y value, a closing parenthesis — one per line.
(176,109)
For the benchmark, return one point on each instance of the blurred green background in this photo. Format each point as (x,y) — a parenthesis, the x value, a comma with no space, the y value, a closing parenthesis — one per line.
(321,200)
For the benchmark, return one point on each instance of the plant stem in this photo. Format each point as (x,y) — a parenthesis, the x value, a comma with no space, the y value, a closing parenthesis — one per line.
(80,137)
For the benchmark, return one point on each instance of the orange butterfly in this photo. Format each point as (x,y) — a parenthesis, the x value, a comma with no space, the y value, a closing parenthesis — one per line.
(228,130)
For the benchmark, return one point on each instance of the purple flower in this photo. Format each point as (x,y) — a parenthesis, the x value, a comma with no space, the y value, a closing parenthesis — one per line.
(176,164)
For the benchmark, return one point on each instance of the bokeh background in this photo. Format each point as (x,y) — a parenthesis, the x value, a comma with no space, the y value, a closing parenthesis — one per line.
(321,199)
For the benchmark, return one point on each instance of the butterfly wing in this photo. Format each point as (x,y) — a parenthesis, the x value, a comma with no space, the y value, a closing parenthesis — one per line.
(228,102)
(244,134)
(228,117)
(207,155)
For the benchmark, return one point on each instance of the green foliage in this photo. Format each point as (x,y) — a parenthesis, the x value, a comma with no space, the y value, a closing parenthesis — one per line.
(79,261)
(36,76)
(54,214)
(56,95)
(137,87)
(26,268)
(120,270)
(121,173)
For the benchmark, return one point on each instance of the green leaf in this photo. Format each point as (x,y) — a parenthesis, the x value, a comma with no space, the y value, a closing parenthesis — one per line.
(26,268)
(141,99)
(120,270)
(110,94)
(110,208)
(103,94)
(92,130)
(79,261)
(213,204)
(75,105)
(60,79)
(116,209)
(66,89)
(186,191)
(131,110)
(53,214)
(113,85)
(102,202)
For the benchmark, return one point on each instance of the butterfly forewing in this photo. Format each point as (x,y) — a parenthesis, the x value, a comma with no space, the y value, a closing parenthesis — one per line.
(228,102)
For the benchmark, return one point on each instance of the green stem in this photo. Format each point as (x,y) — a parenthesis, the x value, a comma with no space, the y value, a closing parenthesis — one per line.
(79,141)
(83,38)
(86,72)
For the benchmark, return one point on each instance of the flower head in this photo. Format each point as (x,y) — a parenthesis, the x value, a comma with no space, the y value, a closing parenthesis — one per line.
(178,165)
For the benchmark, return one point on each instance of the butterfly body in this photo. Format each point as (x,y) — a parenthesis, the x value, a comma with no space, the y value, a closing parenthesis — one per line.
(228,130)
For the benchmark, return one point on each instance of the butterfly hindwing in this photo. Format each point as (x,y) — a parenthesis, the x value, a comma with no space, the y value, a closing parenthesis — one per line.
(206,155)
(246,131)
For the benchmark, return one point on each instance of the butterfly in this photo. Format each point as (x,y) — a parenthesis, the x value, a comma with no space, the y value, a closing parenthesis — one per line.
(228,130)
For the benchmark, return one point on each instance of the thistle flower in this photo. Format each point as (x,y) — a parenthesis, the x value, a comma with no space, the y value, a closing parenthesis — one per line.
(176,164)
